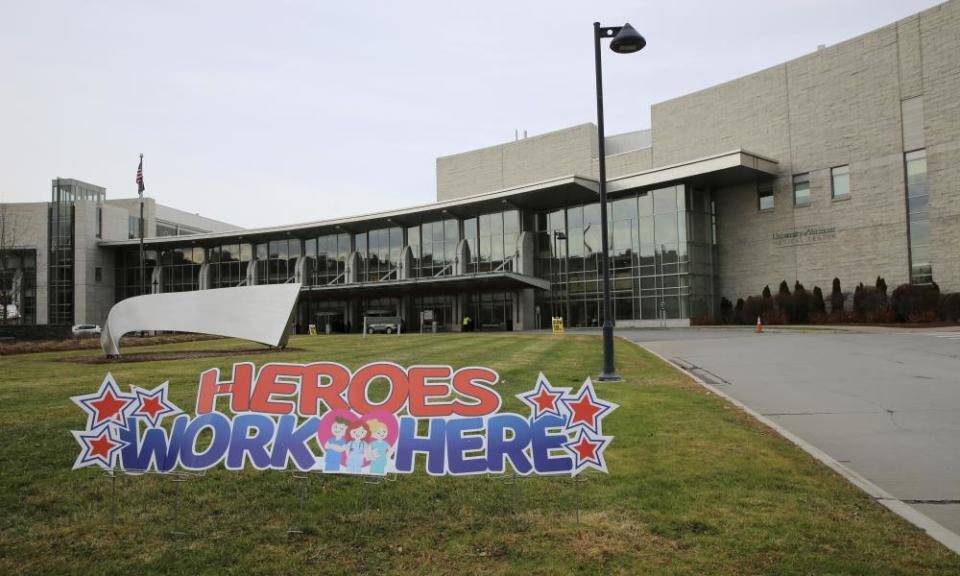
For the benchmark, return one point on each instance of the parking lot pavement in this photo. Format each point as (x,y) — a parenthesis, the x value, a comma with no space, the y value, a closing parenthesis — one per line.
(885,404)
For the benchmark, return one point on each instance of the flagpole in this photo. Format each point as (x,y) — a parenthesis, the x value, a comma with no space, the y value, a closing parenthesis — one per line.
(143,280)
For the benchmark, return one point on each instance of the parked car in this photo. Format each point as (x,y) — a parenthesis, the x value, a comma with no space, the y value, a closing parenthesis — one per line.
(383,325)
(86,330)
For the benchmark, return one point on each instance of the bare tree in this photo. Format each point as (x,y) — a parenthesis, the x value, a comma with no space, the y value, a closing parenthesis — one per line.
(9,289)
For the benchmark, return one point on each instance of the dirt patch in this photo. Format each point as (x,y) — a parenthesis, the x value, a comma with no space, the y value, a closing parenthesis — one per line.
(183,355)
(93,343)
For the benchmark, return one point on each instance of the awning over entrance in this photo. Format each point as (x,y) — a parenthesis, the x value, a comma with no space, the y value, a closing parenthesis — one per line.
(444,284)
(724,169)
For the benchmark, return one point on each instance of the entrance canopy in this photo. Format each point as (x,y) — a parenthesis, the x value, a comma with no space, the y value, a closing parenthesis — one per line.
(443,284)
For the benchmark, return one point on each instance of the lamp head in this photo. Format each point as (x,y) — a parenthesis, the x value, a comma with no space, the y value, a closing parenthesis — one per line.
(627,41)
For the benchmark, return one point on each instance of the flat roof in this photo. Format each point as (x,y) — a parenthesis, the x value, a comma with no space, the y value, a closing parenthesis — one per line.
(719,169)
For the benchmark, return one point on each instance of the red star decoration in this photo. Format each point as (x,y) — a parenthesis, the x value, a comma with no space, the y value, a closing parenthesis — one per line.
(585,449)
(150,406)
(102,445)
(108,407)
(546,400)
(584,411)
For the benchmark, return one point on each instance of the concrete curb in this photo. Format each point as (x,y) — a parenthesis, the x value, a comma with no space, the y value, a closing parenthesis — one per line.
(934,529)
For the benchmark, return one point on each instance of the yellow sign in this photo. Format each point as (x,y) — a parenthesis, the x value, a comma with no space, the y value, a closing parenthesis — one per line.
(313,329)
(557,324)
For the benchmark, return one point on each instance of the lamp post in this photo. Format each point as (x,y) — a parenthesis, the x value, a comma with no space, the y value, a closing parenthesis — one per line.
(624,40)
(557,236)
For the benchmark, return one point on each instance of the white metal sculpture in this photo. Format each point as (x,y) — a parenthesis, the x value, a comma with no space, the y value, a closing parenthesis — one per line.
(257,313)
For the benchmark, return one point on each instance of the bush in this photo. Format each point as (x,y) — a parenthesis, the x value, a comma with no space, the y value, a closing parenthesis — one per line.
(726,311)
(915,303)
(784,301)
(950,307)
(801,304)
(738,317)
(817,305)
(836,298)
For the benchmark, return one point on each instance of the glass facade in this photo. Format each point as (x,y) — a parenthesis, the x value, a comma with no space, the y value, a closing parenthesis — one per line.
(277,260)
(329,254)
(60,241)
(180,269)
(379,252)
(434,248)
(228,264)
(918,211)
(660,247)
(492,239)
(128,281)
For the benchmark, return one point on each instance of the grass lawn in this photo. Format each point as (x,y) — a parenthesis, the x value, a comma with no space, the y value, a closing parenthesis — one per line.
(695,487)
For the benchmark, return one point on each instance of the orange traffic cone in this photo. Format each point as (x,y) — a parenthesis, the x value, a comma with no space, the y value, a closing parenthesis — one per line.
(759,326)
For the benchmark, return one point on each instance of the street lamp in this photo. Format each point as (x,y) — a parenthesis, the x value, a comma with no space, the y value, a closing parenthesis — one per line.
(557,236)
(625,40)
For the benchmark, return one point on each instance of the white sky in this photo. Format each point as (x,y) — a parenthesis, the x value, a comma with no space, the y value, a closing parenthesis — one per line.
(283,111)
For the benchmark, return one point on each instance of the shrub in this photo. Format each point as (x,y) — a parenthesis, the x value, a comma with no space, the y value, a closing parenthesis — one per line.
(836,297)
(801,304)
(950,307)
(817,306)
(784,301)
(915,303)
(752,309)
(738,317)
(726,311)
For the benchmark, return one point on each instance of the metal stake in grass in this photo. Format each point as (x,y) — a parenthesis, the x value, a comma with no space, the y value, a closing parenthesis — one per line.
(304,479)
(577,481)
(177,479)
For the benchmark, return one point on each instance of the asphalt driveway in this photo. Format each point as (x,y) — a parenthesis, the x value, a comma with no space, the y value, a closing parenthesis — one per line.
(884,404)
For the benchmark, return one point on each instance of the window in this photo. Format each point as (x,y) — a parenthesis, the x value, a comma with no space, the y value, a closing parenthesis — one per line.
(133,227)
(918,214)
(98,274)
(801,190)
(840,181)
(99,222)
(765,196)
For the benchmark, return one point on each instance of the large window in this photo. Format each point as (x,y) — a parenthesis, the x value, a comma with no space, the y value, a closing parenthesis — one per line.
(228,264)
(379,252)
(650,263)
(918,209)
(329,254)
(277,260)
(437,250)
(840,182)
(492,240)
(180,269)
(127,272)
(801,190)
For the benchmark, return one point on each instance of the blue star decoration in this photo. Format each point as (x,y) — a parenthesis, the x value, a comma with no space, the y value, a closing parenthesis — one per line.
(152,405)
(107,406)
(100,448)
(586,410)
(545,399)
(587,451)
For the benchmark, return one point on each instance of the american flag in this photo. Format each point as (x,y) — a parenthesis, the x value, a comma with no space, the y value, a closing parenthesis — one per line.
(140,186)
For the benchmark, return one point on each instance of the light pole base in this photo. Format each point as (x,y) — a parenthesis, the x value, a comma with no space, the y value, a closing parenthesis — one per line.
(611,377)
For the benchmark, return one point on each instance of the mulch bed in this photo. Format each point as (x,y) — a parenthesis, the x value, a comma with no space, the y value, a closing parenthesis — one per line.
(184,355)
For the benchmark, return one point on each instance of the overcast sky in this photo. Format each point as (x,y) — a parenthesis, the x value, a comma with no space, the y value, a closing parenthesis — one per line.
(276,112)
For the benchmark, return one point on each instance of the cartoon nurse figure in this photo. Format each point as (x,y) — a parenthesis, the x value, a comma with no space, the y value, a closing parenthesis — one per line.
(335,447)
(379,449)
(356,448)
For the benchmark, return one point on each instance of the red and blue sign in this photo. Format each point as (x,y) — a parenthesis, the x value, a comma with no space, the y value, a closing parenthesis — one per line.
(320,417)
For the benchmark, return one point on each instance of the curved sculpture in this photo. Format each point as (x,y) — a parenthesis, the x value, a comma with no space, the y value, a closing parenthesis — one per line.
(257,313)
